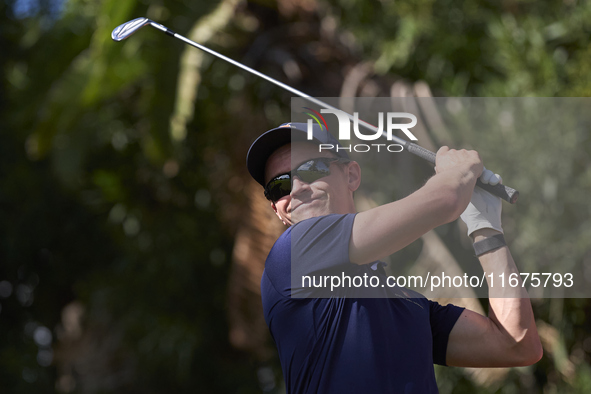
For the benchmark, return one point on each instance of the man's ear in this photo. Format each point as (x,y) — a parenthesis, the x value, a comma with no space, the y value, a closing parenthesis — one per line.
(354,174)
(277,213)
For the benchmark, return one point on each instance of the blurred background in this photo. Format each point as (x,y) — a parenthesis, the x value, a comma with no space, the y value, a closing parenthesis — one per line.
(131,237)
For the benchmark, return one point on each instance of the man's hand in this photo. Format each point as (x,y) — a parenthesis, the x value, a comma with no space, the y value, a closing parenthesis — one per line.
(466,161)
(484,210)
(461,169)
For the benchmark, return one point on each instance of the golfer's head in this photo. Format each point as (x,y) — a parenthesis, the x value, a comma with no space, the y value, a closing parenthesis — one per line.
(300,180)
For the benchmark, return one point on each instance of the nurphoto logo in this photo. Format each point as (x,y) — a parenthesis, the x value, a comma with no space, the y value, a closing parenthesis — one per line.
(344,121)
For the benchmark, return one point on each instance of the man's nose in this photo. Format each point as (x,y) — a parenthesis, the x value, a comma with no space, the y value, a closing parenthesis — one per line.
(298,186)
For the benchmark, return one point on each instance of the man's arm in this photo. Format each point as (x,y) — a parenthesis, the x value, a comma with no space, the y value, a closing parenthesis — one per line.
(382,231)
(508,336)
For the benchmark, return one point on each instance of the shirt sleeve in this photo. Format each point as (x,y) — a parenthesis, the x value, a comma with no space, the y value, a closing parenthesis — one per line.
(316,245)
(443,319)
(321,244)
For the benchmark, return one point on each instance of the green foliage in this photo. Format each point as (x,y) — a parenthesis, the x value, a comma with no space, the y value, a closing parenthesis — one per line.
(475,48)
(102,206)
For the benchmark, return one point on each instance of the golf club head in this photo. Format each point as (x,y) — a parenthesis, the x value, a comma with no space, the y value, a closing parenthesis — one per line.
(123,31)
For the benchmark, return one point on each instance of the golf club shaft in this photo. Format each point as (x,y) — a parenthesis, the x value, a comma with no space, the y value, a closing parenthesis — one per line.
(121,32)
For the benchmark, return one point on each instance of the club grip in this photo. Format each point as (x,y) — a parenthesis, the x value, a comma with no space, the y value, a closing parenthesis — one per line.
(503,191)
(421,152)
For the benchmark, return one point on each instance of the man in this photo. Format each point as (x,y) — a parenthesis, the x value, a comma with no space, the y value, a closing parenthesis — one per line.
(386,344)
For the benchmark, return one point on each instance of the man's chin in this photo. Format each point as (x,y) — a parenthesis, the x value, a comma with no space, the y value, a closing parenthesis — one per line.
(307,211)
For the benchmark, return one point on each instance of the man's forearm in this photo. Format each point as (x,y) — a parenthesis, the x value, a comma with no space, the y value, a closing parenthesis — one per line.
(510,307)
(386,229)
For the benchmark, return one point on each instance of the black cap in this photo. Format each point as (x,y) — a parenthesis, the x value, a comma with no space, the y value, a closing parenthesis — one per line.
(269,142)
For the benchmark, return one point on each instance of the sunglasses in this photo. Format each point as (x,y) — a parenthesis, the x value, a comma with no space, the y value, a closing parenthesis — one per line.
(308,171)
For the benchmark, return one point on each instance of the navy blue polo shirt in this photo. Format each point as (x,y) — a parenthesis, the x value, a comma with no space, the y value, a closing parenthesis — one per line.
(343,344)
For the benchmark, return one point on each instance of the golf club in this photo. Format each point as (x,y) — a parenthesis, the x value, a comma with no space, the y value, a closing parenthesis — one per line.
(125,30)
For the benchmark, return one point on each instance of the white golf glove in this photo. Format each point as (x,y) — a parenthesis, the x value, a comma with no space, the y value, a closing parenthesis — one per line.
(484,210)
